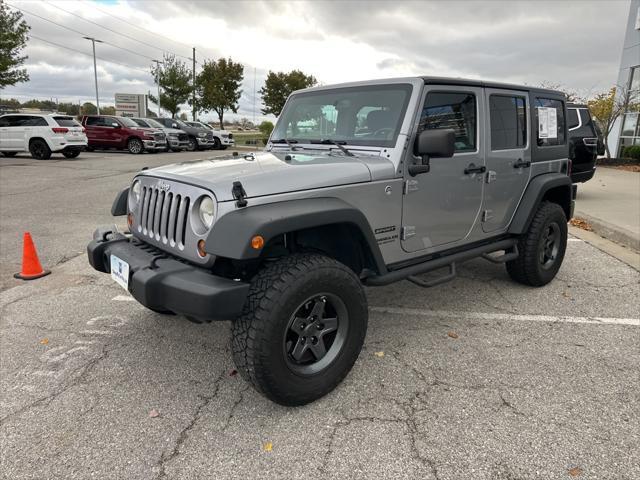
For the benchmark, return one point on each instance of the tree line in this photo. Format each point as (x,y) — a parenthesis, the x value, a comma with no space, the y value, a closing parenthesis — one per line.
(217,86)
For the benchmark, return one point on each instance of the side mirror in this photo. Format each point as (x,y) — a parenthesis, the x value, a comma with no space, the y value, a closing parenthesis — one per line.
(432,143)
(174,125)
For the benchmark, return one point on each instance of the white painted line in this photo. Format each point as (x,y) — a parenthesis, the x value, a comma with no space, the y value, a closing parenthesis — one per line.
(96,332)
(635,322)
(574,240)
(123,298)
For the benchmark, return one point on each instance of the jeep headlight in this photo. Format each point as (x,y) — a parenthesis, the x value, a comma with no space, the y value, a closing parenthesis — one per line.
(206,212)
(134,194)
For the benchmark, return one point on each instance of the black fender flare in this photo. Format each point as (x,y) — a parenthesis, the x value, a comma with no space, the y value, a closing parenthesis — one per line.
(119,206)
(533,195)
(231,235)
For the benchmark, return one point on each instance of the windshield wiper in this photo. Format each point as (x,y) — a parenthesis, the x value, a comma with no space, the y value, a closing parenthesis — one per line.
(289,142)
(339,144)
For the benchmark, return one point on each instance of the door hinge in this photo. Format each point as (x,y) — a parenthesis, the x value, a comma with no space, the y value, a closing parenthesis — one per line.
(491,176)
(487,215)
(408,232)
(410,186)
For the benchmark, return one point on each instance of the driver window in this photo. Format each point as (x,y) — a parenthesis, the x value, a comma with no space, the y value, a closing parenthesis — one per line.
(452,110)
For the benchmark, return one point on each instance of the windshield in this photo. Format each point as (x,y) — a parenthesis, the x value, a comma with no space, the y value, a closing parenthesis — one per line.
(127,122)
(367,115)
(153,124)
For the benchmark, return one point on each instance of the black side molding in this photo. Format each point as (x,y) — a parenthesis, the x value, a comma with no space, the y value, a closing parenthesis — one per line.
(231,236)
(119,206)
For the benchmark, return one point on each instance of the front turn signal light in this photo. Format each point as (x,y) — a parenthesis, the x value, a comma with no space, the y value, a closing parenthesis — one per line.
(201,251)
(257,242)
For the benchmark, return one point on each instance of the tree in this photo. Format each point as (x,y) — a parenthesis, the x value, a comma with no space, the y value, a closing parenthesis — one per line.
(88,108)
(183,116)
(608,107)
(279,86)
(218,87)
(266,128)
(174,77)
(571,95)
(13,38)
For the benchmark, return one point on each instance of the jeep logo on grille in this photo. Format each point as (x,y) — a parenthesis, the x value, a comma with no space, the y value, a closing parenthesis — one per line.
(165,187)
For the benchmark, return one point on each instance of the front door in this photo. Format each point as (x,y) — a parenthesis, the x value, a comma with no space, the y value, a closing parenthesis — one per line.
(508,156)
(441,207)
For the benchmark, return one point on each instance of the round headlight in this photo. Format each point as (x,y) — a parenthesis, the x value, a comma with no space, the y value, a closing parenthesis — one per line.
(134,195)
(206,211)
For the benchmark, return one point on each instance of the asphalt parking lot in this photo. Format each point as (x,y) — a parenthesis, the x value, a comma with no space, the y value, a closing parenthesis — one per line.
(479,378)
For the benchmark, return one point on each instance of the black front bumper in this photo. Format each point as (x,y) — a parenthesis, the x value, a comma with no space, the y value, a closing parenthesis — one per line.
(161,282)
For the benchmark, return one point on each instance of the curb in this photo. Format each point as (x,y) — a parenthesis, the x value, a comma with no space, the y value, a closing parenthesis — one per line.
(612,232)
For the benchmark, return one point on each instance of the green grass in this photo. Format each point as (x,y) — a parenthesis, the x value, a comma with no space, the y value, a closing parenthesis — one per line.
(242,137)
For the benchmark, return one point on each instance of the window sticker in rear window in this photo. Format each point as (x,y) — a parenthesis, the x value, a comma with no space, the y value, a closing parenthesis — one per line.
(547,122)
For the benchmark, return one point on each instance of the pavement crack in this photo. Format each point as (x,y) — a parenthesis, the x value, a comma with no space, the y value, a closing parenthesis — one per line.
(233,408)
(165,457)
(83,370)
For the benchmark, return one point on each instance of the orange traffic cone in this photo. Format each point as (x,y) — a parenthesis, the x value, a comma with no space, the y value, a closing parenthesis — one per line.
(31,268)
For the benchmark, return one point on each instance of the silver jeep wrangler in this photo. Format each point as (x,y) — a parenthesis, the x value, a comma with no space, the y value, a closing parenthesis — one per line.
(363,183)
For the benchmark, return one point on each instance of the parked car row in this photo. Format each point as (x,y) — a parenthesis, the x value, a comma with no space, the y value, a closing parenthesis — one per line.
(44,134)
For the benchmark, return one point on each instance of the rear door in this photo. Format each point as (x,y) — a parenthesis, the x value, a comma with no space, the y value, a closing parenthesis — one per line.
(441,206)
(10,133)
(508,155)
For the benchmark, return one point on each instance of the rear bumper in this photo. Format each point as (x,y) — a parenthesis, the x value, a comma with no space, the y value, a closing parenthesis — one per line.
(581,177)
(160,282)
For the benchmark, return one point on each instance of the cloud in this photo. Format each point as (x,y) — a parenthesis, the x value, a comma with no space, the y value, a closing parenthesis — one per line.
(520,42)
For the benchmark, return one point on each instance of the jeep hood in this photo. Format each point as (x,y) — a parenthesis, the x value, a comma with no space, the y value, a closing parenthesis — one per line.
(265,173)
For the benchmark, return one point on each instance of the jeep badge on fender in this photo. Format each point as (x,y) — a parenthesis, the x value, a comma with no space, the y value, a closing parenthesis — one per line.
(363,183)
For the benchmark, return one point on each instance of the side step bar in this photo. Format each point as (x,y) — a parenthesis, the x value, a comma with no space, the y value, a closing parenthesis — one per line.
(449,260)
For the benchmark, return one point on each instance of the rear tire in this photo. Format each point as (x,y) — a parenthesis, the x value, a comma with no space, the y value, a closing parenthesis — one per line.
(39,149)
(72,154)
(541,248)
(9,154)
(135,146)
(302,328)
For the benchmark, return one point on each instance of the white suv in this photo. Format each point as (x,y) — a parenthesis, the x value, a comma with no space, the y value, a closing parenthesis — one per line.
(41,135)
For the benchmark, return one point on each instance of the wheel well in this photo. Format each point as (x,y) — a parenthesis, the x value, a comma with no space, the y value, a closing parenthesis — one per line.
(560,195)
(343,242)
(32,139)
(131,137)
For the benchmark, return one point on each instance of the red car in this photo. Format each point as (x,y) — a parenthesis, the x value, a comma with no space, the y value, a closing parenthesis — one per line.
(122,133)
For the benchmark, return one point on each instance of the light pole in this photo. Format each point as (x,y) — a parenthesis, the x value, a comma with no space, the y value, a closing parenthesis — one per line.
(158,62)
(95,69)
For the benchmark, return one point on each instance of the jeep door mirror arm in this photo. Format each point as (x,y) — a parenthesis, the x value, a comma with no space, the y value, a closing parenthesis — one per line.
(423,167)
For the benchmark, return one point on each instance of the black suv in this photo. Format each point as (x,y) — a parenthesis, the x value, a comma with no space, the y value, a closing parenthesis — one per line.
(585,142)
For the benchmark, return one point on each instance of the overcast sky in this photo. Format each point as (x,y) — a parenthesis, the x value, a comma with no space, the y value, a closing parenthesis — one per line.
(573,43)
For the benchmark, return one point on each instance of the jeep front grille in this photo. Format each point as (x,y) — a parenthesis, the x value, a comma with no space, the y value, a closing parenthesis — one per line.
(164,216)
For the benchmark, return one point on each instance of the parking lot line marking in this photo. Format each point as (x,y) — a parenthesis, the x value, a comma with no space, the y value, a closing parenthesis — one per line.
(123,298)
(635,322)
(574,240)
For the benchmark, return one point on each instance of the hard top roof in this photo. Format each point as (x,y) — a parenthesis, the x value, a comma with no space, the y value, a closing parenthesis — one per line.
(439,81)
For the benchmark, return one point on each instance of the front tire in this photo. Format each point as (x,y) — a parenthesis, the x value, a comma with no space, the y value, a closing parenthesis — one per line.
(302,328)
(541,248)
(135,146)
(192,146)
(39,149)
(216,143)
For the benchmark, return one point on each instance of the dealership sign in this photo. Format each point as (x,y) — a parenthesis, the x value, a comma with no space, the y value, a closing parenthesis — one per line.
(131,105)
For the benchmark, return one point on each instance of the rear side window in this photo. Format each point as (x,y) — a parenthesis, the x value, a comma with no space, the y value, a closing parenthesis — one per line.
(94,121)
(66,121)
(452,110)
(550,122)
(35,122)
(508,122)
(25,121)
(572,118)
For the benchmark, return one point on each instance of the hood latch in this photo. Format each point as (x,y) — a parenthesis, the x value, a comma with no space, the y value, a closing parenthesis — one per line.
(239,194)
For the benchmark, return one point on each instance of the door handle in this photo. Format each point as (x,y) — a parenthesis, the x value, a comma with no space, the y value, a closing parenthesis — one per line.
(473,169)
(521,164)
